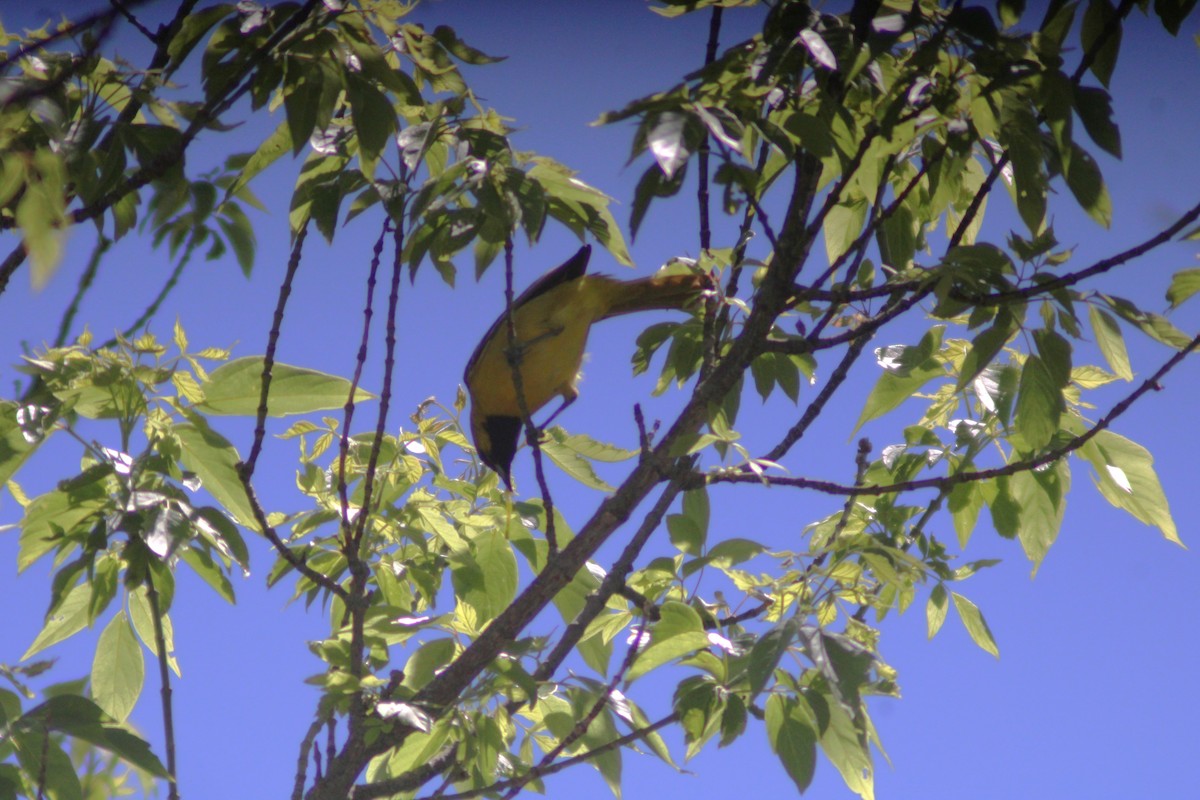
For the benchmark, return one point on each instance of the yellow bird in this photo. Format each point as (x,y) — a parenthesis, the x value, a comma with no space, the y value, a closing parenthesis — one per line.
(552,319)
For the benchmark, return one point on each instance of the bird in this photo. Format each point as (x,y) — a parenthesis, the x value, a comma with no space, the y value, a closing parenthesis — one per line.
(552,319)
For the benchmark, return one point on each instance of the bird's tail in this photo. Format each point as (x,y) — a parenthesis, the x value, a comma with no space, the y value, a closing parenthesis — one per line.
(655,292)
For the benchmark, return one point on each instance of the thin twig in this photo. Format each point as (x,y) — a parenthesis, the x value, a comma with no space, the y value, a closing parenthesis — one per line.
(558,766)
(389,369)
(1024,465)
(702,200)
(581,725)
(532,433)
(134,21)
(164,675)
(156,303)
(818,404)
(285,291)
(296,562)
(613,581)
(709,335)
(360,361)
(410,781)
(85,283)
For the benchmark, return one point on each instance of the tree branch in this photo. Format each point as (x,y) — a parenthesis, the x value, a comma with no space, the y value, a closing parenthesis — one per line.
(1024,465)
(558,766)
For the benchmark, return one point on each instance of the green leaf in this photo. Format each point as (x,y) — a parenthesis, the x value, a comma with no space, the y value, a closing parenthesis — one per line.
(843,224)
(485,577)
(591,448)
(935,609)
(846,748)
(374,121)
(448,39)
(234,388)
(40,755)
(1100,20)
(897,238)
(579,206)
(572,462)
(700,711)
(1039,404)
(68,619)
(240,233)
(141,616)
(689,530)
(54,513)
(1020,137)
(425,663)
(81,718)
(40,216)
(1094,107)
(1173,13)
(965,502)
(118,669)
(268,152)
(1184,284)
(301,102)
(653,184)
(1125,476)
(1010,11)
(1111,341)
(985,346)
(210,572)
(214,460)
(678,632)
(1087,184)
(1153,325)
(976,625)
(733,719)
(767,652)
(910,371)
(192,30)
(1041,497)
(793,739)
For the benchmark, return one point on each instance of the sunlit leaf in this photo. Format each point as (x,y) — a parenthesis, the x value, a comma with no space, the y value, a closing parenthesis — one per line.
(235,388)
(212,457)
(976,625)
(935,609)
(678,632)
(1111,341)
(118,669)
(1184,284)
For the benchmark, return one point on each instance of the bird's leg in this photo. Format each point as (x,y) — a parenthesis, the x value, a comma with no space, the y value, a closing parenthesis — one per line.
(569,395)
(567,401)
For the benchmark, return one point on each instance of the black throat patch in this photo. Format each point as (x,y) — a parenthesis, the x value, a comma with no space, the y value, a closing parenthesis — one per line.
(502,433)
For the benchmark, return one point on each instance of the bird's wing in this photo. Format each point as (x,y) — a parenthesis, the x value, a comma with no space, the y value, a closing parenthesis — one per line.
(572,269)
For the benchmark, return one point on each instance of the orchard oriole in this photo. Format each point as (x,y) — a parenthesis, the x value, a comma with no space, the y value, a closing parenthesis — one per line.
(552,319)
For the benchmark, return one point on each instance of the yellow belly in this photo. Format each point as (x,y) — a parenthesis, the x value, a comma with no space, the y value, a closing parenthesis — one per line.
(551,333)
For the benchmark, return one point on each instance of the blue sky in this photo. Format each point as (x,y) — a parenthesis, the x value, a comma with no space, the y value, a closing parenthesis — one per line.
(1092,695)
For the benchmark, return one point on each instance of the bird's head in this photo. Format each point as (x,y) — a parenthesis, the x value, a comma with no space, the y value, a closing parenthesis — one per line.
(496,441)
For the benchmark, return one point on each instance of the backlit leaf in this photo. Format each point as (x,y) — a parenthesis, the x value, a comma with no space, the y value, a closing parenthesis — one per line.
(235,388)
(935,610)
(792,738)
(1111,341)
(976,625)
(118,669)
(1184,284)
(1039,404)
